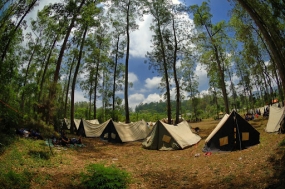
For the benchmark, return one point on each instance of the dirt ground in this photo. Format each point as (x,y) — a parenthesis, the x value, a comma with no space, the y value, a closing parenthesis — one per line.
(257,167)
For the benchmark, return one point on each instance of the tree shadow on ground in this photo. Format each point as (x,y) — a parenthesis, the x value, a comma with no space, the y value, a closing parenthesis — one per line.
(278,164)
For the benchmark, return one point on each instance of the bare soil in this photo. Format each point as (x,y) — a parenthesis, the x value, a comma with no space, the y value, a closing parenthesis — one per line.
(260,166)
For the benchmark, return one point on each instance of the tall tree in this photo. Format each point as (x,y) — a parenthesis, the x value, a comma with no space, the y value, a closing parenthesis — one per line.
(266,15)
(117,53)
(22,12)
(74,9)
(158,56)
(130,9)
(214,40)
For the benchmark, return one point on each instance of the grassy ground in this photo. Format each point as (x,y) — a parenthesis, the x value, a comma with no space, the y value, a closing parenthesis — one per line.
(261,166)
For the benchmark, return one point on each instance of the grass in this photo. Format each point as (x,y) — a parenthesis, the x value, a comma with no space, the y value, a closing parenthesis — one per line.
(261,166)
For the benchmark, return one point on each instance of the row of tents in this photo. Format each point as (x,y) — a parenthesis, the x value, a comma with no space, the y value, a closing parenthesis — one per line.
(161,136)
(232,132)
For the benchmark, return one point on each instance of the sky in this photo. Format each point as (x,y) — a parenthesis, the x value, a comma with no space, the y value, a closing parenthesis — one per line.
(145,81)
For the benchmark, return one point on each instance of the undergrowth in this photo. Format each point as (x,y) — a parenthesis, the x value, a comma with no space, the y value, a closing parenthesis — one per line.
(282,143)
(14,180)
(101,177)
(21,159)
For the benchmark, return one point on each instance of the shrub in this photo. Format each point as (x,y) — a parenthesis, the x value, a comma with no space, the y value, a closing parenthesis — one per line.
(282,143)
(5,141)
(101,177)
(15,180)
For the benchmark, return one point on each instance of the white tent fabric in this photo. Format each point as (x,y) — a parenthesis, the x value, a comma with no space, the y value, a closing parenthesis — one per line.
(132,131)
(261,109)
(220,124)
(67,123)
(182,134)
(77,123)
(93,121)
(275,117)
(94,130)
(127,132)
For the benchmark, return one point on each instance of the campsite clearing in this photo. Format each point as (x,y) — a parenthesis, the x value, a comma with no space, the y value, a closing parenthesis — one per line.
(259,166)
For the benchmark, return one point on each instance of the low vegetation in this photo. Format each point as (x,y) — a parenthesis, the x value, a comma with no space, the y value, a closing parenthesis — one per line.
(29,163)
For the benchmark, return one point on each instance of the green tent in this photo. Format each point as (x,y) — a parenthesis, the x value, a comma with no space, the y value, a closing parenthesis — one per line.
(170,137)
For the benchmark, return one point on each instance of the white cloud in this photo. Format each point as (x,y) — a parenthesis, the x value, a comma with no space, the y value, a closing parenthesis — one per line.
(132,77)
(152,83)
(202,74)
(135,99)
(153,98)
(204,92)
(140,39)
(176,1)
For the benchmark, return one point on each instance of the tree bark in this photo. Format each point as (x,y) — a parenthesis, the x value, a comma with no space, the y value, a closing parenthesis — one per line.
(74,81)
(127,67)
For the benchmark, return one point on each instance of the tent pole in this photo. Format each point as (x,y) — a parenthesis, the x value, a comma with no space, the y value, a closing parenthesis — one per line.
(236,123)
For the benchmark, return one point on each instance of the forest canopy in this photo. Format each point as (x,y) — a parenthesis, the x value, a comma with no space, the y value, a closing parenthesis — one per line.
(42,59)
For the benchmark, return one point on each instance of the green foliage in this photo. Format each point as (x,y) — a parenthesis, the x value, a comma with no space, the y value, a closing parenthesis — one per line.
(282,143)
(44,129)
(101,177)
(5,141)
(37,154)
(14,180)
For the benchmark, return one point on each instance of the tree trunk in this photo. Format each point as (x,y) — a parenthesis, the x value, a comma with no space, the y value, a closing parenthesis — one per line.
(175,74)
(67,88)
(46,68)
(74,81)
(222,80)
(127,68)
(115,76)
(168,102)
(52,92)
(22,104)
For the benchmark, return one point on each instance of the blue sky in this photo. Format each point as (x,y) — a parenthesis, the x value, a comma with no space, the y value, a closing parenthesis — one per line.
(145,81)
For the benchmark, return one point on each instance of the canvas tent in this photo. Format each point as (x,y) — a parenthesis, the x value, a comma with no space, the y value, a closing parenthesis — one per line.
(66,124)
(276,115)
(89,128)
(113,131)
(170,137)
(121,132)
(93,121)
(232,132)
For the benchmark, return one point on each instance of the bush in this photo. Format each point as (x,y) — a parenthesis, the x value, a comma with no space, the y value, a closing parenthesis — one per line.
(282,143)
(101,177)
(15,180)
(5,141)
